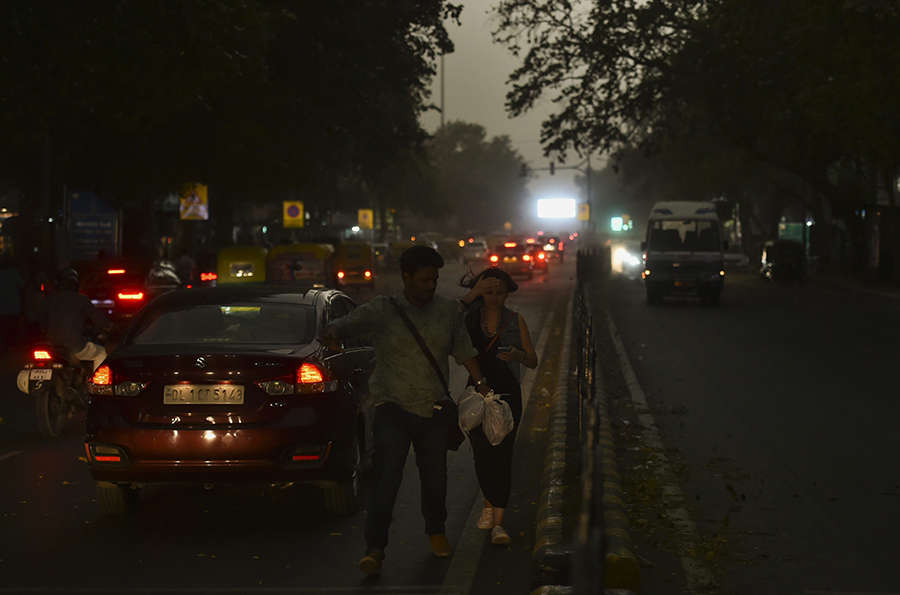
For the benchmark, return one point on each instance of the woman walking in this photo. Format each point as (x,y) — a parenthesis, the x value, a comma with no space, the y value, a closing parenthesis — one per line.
(501,337)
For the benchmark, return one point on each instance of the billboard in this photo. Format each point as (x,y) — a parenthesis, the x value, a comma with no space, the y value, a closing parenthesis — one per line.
(194,203)
(556,208)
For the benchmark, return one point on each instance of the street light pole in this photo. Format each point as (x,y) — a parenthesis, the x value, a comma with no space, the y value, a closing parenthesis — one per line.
(442,90)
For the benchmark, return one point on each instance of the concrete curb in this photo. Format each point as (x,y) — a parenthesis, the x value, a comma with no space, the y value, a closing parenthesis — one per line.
(621,569)
(550,556)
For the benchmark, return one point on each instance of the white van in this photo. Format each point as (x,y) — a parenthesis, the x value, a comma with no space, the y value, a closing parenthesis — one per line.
(684,252)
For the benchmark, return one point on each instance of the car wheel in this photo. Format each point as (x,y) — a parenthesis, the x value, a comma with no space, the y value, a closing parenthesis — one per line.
(342,497)
(50,411)
(115,499)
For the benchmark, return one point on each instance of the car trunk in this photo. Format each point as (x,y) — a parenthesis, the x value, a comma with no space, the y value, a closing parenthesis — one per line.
(199,387)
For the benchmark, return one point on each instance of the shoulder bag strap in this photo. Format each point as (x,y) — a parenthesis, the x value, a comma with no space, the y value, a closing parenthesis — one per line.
(422,345)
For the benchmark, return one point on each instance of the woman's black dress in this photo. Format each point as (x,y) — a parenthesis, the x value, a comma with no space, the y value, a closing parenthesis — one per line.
(493,464)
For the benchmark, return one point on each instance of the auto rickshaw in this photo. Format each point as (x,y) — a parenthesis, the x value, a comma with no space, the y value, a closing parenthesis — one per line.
(241,264)
(310,263)
(355,264)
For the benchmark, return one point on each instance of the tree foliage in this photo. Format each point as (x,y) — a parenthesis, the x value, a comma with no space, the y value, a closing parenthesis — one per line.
(253,95)
(476,177)
(807,88)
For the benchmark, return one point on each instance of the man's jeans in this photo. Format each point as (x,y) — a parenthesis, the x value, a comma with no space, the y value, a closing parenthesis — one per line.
(394,430)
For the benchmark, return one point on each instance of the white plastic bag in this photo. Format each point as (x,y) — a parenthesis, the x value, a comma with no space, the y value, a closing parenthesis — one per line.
(498,419)
(471,409)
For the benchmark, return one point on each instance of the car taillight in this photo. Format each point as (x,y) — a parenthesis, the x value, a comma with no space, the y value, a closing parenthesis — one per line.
(276,387)
(309,374)
(494,258)
(101,382)
(102,376)
(311,379)
(208,276)
(340,274)
(541,255)
(131,296)
(115,272)
(129,388)
(42,355)
(367,274)
(526,257)
(509,244)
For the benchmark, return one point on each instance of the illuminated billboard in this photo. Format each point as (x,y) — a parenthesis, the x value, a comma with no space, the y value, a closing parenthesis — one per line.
(556,208)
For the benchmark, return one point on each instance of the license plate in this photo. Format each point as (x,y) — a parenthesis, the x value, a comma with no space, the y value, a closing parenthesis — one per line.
(42,374)
(509,259)
(203,394)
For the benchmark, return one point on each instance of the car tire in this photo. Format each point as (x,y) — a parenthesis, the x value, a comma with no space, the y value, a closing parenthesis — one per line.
(342,497)
(115,499)
(50,411)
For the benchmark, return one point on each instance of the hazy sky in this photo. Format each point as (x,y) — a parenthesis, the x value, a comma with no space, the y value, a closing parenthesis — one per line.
(475,90)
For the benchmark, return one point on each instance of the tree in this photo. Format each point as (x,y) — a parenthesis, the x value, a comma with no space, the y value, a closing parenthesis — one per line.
(476,178)
(804,90)
(131,96)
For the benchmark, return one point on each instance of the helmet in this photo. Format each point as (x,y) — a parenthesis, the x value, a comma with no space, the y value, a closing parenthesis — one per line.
(67,279)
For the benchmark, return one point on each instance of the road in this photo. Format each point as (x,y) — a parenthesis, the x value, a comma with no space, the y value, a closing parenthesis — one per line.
(246,540)
(778,413)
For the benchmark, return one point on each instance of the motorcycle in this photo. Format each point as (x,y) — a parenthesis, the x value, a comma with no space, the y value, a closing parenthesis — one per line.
(57,385)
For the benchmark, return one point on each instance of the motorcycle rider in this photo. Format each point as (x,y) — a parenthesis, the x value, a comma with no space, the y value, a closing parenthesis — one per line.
(68,312)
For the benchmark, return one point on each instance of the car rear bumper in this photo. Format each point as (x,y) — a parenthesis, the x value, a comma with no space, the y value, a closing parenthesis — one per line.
(263,452)
(686,285)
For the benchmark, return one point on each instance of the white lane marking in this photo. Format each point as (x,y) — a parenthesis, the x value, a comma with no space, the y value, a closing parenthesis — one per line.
(699,578)
(9,455)
(467,555)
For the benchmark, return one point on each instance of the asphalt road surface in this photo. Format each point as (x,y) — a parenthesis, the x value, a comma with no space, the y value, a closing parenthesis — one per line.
(228,539)
(778,412)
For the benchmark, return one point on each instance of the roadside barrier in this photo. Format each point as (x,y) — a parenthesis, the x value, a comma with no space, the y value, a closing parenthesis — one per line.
(603,560)
(597,557)
(551,553)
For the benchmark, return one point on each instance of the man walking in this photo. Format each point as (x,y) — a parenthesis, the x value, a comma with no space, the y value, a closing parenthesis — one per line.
(405,389)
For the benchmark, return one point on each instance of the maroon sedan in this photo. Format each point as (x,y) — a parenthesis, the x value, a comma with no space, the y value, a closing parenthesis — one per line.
(229,385)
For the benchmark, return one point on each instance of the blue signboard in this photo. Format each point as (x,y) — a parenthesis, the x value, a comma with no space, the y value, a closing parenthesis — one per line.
(93,227)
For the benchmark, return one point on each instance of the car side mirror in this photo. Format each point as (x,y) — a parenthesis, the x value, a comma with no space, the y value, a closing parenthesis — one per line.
(643,246)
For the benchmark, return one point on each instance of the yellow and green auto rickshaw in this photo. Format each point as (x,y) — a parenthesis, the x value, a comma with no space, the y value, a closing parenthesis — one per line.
(241,264)
(308,263)
(354,263)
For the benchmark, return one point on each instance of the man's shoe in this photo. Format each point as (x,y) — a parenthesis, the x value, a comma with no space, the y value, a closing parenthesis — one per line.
(487,518)
(499,536)
(440,547)
(370,564)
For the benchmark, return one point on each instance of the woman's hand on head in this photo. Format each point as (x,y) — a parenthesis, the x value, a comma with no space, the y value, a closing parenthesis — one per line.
(487,285)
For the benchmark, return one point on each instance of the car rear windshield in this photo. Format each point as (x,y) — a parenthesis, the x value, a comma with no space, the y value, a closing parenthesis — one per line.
(255,323)
(684,235)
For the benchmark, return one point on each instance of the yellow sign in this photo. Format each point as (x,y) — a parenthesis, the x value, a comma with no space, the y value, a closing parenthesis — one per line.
(293,213)
(366,218)
(584,211)
(194,203)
